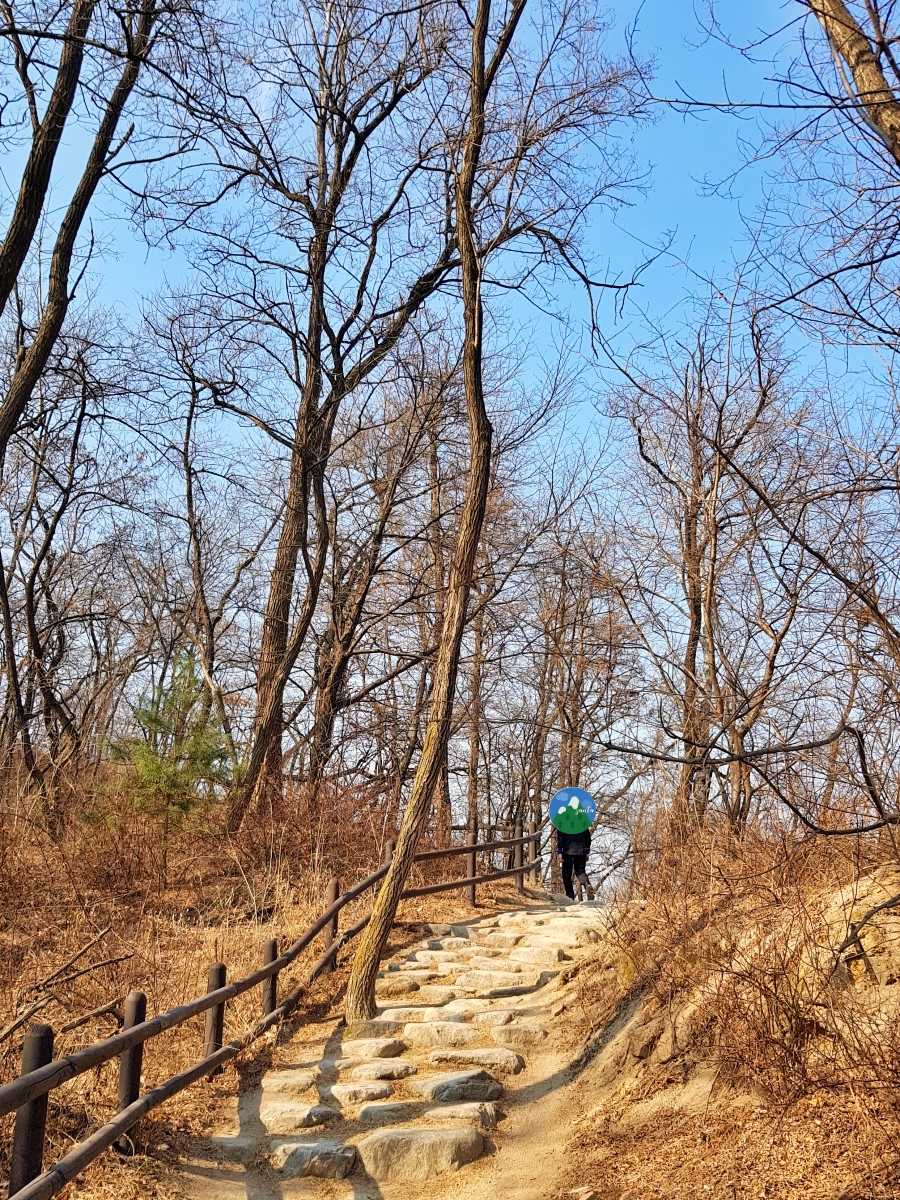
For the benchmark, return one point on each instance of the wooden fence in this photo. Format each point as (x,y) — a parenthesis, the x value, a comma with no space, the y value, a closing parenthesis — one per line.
(27,1095)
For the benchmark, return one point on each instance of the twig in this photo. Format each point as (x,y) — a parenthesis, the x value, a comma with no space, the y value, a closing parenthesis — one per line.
(36,987)
(852,937)
(107,962)
(110,1008)
(23,1017)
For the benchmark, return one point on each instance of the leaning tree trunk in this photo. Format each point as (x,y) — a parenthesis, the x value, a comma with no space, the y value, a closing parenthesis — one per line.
(360,1004)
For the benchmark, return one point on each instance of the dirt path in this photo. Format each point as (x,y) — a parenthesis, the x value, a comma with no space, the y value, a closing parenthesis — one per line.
(461,1087)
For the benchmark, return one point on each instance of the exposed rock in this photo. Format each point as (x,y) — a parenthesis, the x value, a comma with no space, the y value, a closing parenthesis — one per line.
(448,943)
(374,1048)
(324,1160)
(494,1057)
(643,1039)
(382,1068)
(425,1034)
(458,1085)
(344,1094)
(485,1115)
(518,1035)
(418,1154)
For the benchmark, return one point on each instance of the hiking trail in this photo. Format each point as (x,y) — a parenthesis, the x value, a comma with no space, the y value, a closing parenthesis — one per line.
(459,1087)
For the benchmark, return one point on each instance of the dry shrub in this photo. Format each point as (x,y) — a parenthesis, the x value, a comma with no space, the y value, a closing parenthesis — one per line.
(742,934)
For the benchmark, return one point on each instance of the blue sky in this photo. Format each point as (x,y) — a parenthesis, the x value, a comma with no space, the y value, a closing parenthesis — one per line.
(686,153)
(680,151)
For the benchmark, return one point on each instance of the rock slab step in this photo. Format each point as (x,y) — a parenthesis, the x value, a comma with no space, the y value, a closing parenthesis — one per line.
(388,1026)
(281,1114)
(424,1035)
(381,1068)
(418,1154)
(457,1086)
(485,1115)
(373,1048)
(344,1094)
(385,1112)
(323,1160)
(518,1035)
(495,1058)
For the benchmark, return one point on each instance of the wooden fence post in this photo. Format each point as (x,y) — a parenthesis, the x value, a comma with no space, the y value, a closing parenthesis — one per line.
(532,852)
(130,1064)
(215,1017)
(270,985)
(389,848)
(471,840)
(518,858)
(331,894)
(31,1117)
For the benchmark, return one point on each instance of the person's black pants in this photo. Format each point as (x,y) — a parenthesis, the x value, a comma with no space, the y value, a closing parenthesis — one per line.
(574,864)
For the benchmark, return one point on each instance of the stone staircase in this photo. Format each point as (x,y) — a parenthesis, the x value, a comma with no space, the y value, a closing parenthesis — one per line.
(464,1022)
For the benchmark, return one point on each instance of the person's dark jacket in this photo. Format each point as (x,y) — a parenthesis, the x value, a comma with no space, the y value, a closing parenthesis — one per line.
(573,843)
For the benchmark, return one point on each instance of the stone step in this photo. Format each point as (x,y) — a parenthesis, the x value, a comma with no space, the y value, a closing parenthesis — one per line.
(344,1095)
(281,1114)
(491,1058)
(377,1028)
(518,1035)
(501,941)
(433,956)
(485,981)
(386,989)
(544,956)
(421,972)
(492,1017)
(467,1005)
(485,1114)
(437,994)
(418,1154)
(385,1112)
(447,943)
(323,1160)
(412,1014)
(477,963)
(373,1048)
(426,1034)
(381,1068)
(458,1086)
(289,1079)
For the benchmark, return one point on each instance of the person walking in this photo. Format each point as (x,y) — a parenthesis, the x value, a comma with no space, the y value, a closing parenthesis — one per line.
(573,850)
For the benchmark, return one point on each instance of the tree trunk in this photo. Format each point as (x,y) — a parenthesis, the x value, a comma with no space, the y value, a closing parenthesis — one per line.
(360,1004)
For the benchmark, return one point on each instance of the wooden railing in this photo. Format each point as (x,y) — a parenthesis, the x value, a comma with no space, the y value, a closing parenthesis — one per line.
(27,1095)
